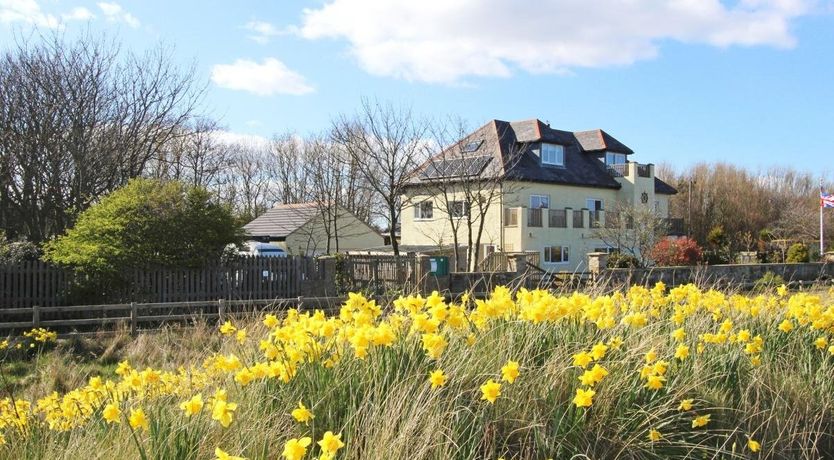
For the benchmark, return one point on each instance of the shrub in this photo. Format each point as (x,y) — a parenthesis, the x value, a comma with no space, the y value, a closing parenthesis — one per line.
(147,223)
(620,260)
(768,282)
(681,251)
(14,252)
(798,253)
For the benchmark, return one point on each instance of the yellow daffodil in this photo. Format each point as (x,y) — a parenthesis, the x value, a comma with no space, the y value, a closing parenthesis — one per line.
(330,443)
(111,413)
(700,421)
(584,398)
(509,372)
(220,455)
(227,328)
(296,449)
(138,419)
(301,414)
(654,435)
(685,405)
(437,378)
(490,391)
(193,406)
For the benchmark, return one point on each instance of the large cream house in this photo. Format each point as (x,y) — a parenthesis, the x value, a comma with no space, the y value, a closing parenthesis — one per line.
(543,189)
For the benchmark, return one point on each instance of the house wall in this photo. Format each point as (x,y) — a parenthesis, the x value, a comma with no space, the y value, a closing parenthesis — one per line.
(579,241)
(523,237)
(437,231)
(311,239)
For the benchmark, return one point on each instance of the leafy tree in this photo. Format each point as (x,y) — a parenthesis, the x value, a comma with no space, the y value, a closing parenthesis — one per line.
(148,222)
(682,251)
(798,253)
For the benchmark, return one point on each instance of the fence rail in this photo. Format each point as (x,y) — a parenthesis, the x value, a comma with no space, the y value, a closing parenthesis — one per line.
(136,316)
(38,283)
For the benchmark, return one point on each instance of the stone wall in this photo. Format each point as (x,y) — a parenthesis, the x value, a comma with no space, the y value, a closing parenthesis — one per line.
(740,276)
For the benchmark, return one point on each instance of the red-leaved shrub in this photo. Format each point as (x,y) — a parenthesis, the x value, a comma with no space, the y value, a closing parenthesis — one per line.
(681,251)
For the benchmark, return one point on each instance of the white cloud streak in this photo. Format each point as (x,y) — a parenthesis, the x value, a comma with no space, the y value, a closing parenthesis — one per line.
(114,12)
(262,32)
(267,78)
(444,41)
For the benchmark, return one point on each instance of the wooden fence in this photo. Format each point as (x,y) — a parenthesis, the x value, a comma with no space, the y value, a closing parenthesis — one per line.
(37,283)
(144,316)
(380,273)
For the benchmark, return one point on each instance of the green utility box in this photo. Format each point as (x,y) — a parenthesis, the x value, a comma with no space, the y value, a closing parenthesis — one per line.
(439,265)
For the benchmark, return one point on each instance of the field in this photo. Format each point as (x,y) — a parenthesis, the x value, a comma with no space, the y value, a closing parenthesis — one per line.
(642,373)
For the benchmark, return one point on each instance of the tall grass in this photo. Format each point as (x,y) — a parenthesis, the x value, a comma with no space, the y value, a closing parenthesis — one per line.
(385,408)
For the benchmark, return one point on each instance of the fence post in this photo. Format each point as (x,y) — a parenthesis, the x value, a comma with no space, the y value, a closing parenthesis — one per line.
(134,320)
(221,310)
(36,316)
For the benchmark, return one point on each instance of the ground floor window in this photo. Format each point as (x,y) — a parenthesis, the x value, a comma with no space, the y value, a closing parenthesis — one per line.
(556,254)
(424,210)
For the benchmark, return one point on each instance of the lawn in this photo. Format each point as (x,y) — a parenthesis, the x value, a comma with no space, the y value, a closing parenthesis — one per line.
(642,373)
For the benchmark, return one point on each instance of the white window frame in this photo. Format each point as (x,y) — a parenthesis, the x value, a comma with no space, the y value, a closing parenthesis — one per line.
(552,154)
(546,198)
(564,255)
(419,212)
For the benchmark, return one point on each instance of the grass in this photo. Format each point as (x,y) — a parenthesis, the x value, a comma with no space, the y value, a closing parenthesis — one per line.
(384,407)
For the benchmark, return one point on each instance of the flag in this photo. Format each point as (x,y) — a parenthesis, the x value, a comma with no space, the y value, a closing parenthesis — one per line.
(826,199)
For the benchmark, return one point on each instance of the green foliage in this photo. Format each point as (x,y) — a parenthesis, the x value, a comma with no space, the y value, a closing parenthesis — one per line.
(147,223)
(768,282)
(717,237)
(620,260)
(13,252)
(798,253)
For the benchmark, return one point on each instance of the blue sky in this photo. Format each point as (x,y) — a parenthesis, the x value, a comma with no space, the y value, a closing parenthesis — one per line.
(749,81)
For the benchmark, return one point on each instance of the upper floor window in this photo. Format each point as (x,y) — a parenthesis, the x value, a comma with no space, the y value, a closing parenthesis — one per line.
(612,158)
(511,217)
(459,208)
(539,201)
(424,210)
(553,154)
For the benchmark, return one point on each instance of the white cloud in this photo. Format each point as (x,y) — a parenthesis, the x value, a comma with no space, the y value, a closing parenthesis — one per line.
(78,14)
(114,12)
(26,11)
(231,137)
(263,32)
(265,79)
(444,41)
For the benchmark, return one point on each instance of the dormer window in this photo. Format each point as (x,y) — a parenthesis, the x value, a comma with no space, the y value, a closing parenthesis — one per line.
(553,154)
(612,158)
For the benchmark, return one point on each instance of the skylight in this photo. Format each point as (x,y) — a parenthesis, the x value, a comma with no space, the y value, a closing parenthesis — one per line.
(471,146)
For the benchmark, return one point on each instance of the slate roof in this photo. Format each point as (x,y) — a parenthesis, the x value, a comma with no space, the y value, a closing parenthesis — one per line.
(663,188)
(512,145)
(598,140)
(281,220)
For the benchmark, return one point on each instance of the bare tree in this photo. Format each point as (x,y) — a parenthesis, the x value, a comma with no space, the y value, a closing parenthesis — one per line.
(385,145)
(468,178)
(195,156)
(78,118)
(633,230)
(247,183)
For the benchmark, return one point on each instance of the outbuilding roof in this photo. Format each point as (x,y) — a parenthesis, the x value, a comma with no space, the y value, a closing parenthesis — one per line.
(281,220)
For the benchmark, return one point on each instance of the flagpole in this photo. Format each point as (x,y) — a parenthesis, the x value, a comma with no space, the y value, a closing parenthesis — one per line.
(822,250)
